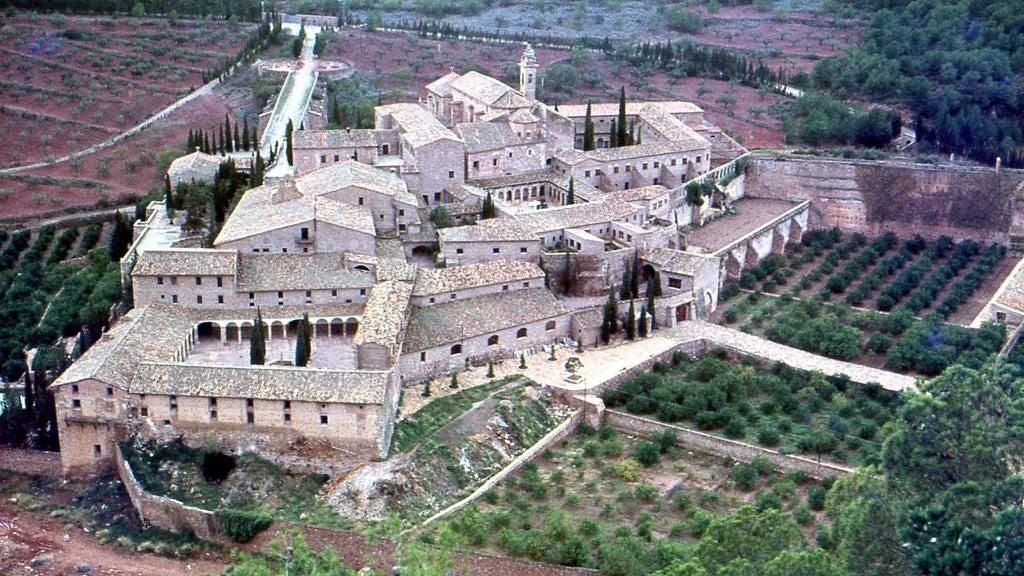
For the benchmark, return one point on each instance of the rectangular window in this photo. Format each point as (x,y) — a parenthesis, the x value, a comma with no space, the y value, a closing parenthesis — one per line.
(523,250)
(174,298)
(76,404)
(615,169)
(423,356)
(334,293)
(451,173)
(220,282)
(476,164)
(97,450)
(496,250)
(144,411)
(220,299)
(362,291)
(287,404)
(160,280)
(645,166)
(360,200)
(337,157)
(459,250)
(74,388)
(287,418)
(586,174)
(657,164)
(494,162)
(628,167)
(675,283)
(504,287)
(199,299)
(323,419)
(199,280)
(401,212)
(323,158)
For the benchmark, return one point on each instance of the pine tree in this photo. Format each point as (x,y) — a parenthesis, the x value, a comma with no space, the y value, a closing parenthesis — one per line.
(641,325)
(613,136)
(621,125)
(631,322)
(570,198)
(245,133)
(257,341)
(588,130)
(288,142)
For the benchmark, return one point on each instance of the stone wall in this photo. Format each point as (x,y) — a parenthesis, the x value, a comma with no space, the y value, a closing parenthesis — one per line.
(904,198)
(162,512)
(723,447)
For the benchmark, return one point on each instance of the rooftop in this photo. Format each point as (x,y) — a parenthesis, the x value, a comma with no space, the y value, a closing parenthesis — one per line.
(488,90)
(262,382)
(263,272)
(676,261)
(384,317)
(419,126)
(186,261)
(642,193)
(484,136)
(673,107)
(257,213)
(195,161)
(441,280)
(306,139)
(351,173)
(440,324)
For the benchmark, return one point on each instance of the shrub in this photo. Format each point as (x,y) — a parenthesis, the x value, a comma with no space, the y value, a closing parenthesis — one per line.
(699,522)
(628,469)
(762,465)
(803,516)
(647,453)
(816,498)
(744,476)
(646,492)
(682,501)
(768,501)
(665,439)
(768,435)
(242,525)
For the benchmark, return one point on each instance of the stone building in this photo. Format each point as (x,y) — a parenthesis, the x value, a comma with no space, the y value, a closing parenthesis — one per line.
(194,167)
(348,243)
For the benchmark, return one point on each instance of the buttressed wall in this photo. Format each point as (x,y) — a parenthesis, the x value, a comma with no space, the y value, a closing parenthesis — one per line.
(874,197)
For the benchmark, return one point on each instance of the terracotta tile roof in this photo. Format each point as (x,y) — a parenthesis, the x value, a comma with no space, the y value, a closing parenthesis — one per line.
(579,111)
(419,126)
(262,382)
(626,153)
(490,230)
(186,261)
(314,139)
(669,127)
(261,272)
(453,321)
(576,215)
(334,177)
(642,193)
(150,334)
(484,136)
(256,213)
(384,316)
(198,161)
(441,280)
(484,88)
(676,261)
(443,85)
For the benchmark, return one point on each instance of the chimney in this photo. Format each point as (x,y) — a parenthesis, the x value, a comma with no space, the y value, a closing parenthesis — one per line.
(999,162)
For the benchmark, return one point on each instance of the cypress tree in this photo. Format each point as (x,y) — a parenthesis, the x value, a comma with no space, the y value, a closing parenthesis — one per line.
(288,142)
(257,171)
(650,306)
(257,341)
(631,134)
(622,135)
(255,138)
(245,133)
(631,322)
(626,288)
(635,276)
(613,136)
(168,198)
(228,147)
(188,141)
(303,342)
(571,196)
(206,143)
(588,130)
(489,210)
(641,325)
(608,322)
(220,140)
(236,143)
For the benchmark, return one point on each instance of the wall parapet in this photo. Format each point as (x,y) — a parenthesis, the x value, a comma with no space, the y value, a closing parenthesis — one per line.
(723,447)
(164,512)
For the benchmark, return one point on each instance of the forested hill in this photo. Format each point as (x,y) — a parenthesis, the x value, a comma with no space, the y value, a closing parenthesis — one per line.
(956,64)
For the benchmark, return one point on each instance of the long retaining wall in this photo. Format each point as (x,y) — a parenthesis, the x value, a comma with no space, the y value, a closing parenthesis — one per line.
(723,447)
(556,435)
(163,512)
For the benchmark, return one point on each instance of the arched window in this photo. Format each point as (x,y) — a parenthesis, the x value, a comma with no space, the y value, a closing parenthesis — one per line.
(521,333)
(457,349)
(493,340)
(550,325)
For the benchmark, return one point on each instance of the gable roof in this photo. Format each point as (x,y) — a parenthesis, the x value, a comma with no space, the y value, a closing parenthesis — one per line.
(482,87)
(449,322)
(384,317)
(334,177)
(441,280)
(484,136)
(677,261)
(197,160)
(443,85)
(305,139)
(321,271)
(186,261)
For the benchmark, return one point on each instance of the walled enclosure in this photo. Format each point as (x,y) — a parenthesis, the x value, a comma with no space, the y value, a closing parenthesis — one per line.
(904,198)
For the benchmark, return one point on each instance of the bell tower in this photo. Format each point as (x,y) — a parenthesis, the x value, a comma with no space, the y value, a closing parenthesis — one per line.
(528,73)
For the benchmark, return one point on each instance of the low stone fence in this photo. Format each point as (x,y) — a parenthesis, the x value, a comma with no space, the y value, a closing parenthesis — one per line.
(723,447)
(31,462)
(556,435)
(163,512)
(695,347)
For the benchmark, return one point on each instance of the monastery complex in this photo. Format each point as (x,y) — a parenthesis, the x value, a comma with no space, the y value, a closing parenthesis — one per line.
(392,300)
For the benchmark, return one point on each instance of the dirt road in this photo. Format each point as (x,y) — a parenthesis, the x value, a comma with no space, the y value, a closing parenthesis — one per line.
(46,546)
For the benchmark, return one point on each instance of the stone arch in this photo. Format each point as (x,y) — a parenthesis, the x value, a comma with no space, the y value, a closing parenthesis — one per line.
(351,326)
(337,327)
(456,350)
(733,265)
(521,333)
(231,331)
(493,340)
(208,331)
(322,328)
(292,328)
(709,302)
(245,331)
(361,267)
(646,272)
(277,329)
